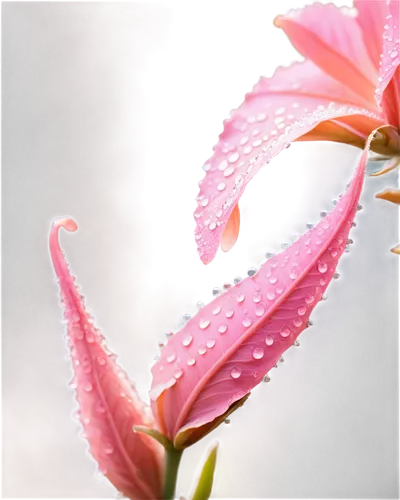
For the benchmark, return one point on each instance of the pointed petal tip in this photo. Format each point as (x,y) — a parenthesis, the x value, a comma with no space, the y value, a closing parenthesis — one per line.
(396,250)
(277,21)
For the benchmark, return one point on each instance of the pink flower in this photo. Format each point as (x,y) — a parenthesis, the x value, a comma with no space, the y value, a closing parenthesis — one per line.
(347,87)
(109,406)
(208,369)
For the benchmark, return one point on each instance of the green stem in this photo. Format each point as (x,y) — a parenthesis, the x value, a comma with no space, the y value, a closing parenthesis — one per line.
(173,458)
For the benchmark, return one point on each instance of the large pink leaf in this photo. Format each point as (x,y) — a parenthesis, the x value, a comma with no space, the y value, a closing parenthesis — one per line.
(297,102)
(332,38)
(227,348)
(109,406)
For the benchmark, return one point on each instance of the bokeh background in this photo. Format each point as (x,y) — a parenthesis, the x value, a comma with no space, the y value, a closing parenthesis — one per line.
(109,112)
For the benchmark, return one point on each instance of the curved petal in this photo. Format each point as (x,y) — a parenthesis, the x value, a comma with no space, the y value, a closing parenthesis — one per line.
(279,110)
(390,194)
(332,39)
(109,404)
(226,349)
(371,17)
(391,45)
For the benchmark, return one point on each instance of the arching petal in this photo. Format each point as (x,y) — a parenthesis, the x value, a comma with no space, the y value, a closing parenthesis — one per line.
(279,110)
(228,347)
(109,405)
(332,39)
(371,17)
(391,48)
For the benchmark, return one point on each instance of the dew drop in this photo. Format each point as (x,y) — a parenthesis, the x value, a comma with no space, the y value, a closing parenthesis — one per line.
(236,372)
(204,323)
(257,298)
(222,328)
(88,386)
(260,310)
(293,274)
(252,271)
(233,157)
(258,353)
(186,317)
(191,361)
(309,323)
(178,373)
(336,276)
(272,280)
(295,236)
(266,379)
(240,298)
(200,304)
(322,267)
(171,358)
(309,299)
(296,343)
(229,171)
(168,333)
(98,474)
(269,255)
(309,225)
(285,245)
(204,202)
(323,213)
(216,291)
(221,186)
(216,310)
(108,448)
(246,322)
(393,54)
(301,311)
(161,345)
(324,296)
(227,421)
(202,350)
(297,322)
(187,341)
(237,280)
(269,340)
(270,295)
(210,343)
(285,332)
(334,253)
(223,165)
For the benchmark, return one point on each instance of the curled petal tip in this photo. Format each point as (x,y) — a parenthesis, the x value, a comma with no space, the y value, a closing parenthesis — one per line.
(277,21)
(66,222)
(396,250)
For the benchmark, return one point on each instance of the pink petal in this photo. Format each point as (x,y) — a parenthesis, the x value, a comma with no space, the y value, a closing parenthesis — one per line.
(227,348)
(371,19)
(391,40)
(109,404)
(332,38)
(231,231)
(279,110)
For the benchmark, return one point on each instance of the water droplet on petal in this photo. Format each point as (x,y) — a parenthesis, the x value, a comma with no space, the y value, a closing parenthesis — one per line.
(202,350)
(269,255)
(187,341)
(309,299)
(301,311)
(222,328)
(270,295)
(229,171)
(171,358)
(309,225)
(108,448)
(223,165)
(295,237)
(186,317)
(246,322)
(237,280)
(216,310)
(252,271)
(324,296)
(258,353)
(266,379)
(297,322)
(322,267)
(257,298)
(233,157)
(272,280)
(227,421)
(178,373)
(260,310)
(240,297)
(191,361)
(204,202)
(296,343)
(210,343)
(293,274)
(336,276)
(285,332)
(88,386)
(269,340)
(236,372)
(216,291)
(323,213)
(200,304)
(204,323)
(221,186)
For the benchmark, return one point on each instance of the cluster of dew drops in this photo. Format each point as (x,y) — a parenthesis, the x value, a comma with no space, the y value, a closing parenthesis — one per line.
(251,271)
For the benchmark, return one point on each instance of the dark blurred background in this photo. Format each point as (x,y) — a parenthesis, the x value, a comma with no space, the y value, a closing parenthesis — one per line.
(109,112)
